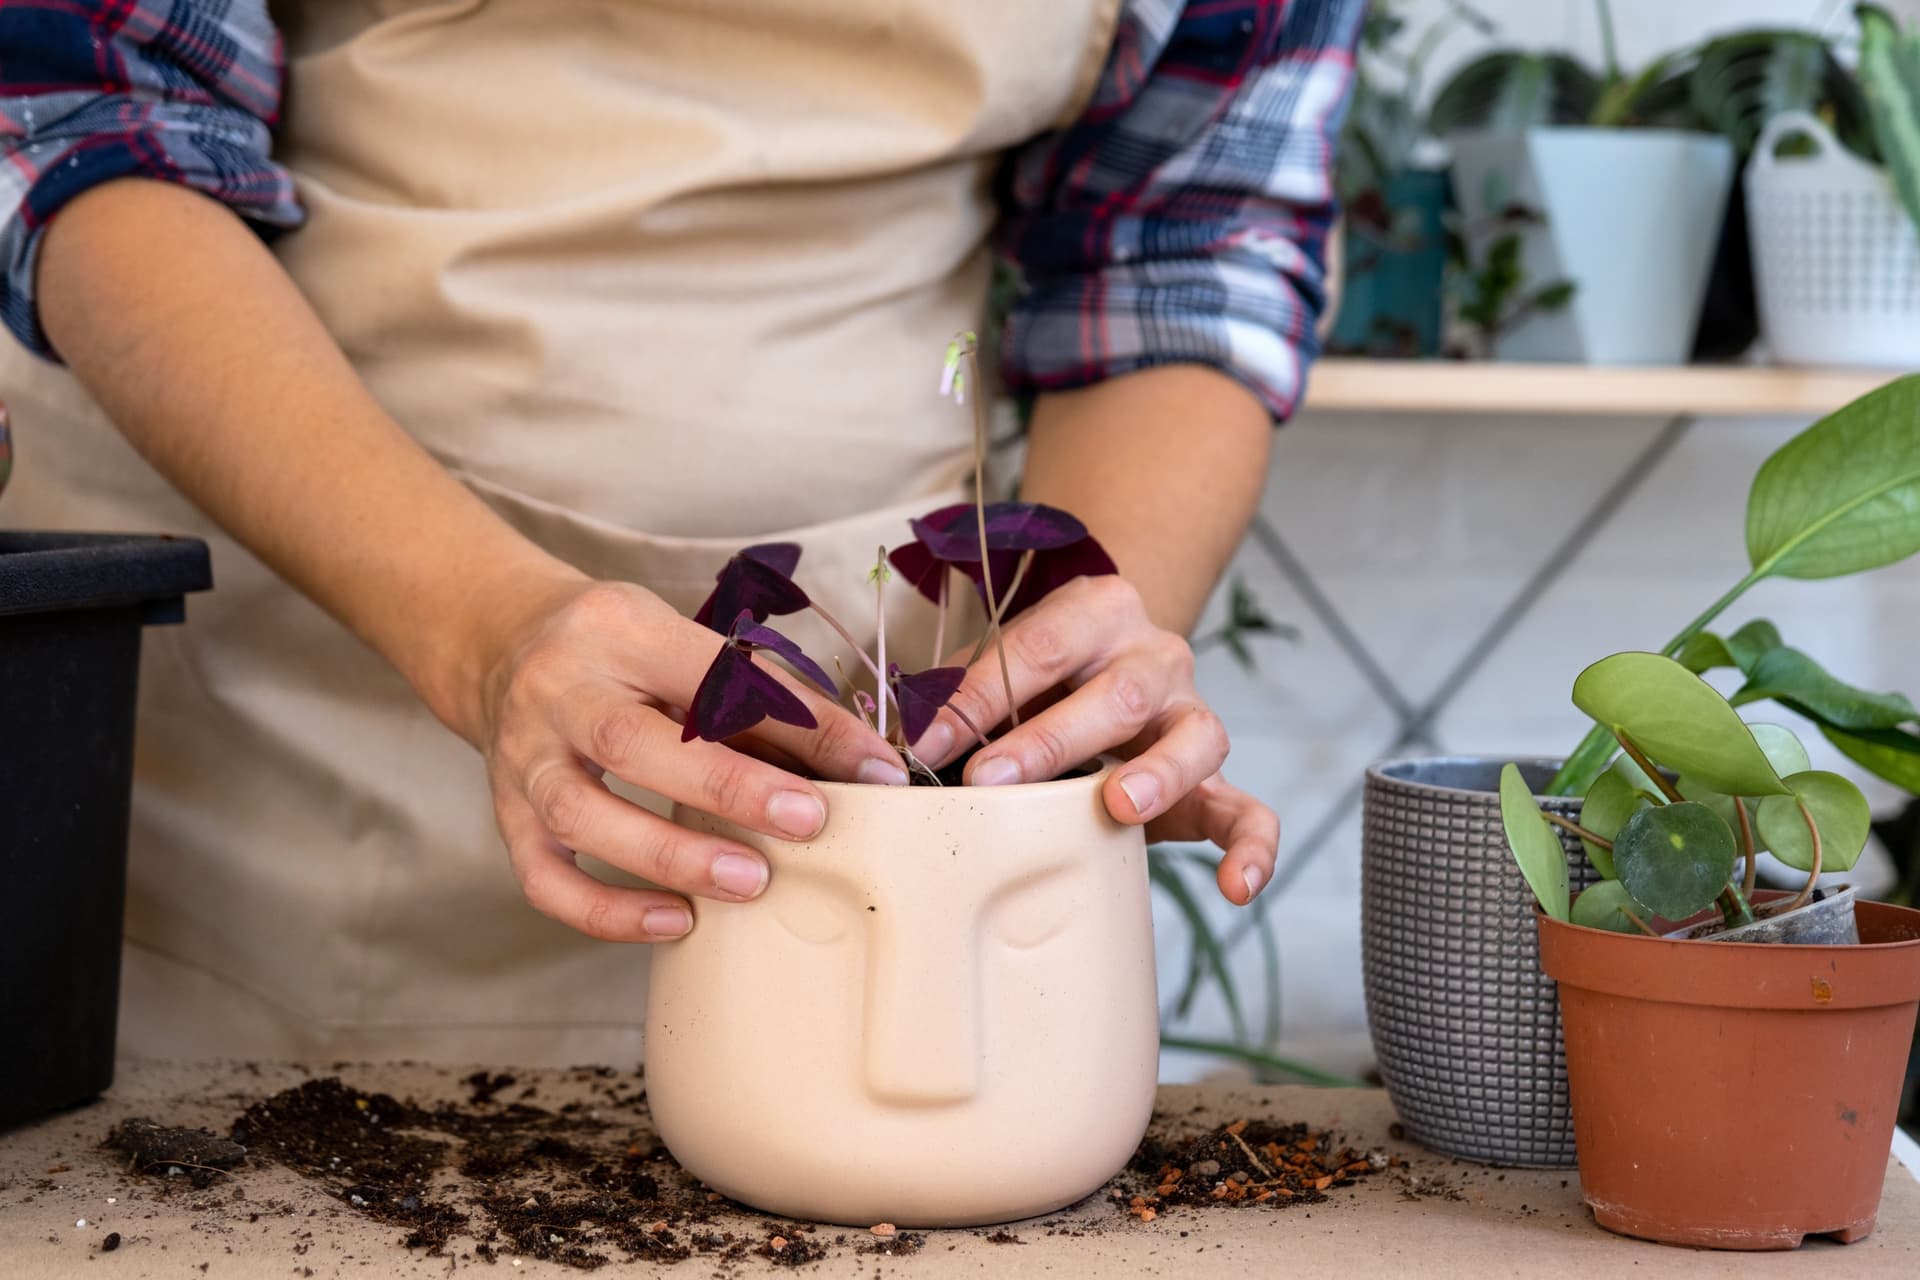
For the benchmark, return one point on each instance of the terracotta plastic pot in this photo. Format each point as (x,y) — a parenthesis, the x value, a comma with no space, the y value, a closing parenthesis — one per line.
(941,1012)
(1736,1095)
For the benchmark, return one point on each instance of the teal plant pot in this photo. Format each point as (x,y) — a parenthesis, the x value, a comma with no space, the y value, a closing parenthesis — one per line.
(1390,303)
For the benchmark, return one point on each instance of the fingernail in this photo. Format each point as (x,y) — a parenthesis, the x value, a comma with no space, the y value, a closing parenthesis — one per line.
(1141,788)
(1254,877)
(996,771)
(666,922)
(881,773)
(740,874)
(797,813)
(935,742)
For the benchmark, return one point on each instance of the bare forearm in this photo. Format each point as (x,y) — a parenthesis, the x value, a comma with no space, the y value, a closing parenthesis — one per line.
(202,351)
(1165,467)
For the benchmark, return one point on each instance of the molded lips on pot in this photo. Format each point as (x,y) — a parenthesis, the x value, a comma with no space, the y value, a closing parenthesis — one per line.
(941,1011)
(1736,1095)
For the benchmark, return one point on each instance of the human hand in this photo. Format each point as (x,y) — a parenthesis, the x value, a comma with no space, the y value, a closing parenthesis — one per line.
(1129,690)
(584,685)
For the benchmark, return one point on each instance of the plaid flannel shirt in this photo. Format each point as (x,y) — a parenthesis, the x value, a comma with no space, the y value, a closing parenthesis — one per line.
(1181,219)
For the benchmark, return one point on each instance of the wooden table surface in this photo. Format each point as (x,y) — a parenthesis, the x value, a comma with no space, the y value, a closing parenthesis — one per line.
(1430,1216)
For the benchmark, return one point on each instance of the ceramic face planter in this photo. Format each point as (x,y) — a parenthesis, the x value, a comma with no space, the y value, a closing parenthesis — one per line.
(941,1012)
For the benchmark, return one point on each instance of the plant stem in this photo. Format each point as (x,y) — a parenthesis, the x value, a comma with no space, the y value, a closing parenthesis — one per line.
(1639,924)
(1578,830)
(1006,599)
(1255,1058)
(980,519)
(880,630)
(1747,848)
(940,626)
(1590,757)
(1806,890)
(1735,910)
(1611,50)
(880,681)
(1667,789)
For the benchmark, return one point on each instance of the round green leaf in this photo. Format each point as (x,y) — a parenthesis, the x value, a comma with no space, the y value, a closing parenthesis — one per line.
(1610,801)
(1535,846)
(1604,906)
(1678,719)
(1839,811)
(1675,859)
(1843,495)
(1784,752)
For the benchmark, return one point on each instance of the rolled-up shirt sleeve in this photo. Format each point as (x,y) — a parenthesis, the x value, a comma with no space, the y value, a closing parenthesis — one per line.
(1183,217)
(185,92)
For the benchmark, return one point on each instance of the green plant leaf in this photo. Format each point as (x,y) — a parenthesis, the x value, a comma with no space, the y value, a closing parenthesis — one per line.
(1604,906)
(1843,495)
(1793,679)
(1542,859)
(1889,754)
(1889,73)
(1839,811)
(1675,859)
(1704,652)
(1784,752)
(1207,952)
(1507,91)
(1745,79)
(1677,719)
(1753,641)
(1611,800)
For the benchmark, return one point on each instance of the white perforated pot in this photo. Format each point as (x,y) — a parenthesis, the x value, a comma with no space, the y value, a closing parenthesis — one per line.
(1836,261)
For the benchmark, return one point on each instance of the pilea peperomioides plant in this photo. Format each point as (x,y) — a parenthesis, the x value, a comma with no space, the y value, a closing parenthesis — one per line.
(1013,554)
(1676,822)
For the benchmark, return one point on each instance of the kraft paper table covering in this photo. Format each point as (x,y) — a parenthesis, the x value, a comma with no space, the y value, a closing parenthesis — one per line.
(1505,1223)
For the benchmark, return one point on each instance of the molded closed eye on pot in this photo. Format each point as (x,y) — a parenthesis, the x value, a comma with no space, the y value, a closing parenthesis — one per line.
(812,909)
(1033,910)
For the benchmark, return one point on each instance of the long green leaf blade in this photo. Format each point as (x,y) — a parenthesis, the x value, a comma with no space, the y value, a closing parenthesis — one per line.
(1843,495)
(1890,754)
(1792,678)
(1535,846)
(1890,76)
(1206,944)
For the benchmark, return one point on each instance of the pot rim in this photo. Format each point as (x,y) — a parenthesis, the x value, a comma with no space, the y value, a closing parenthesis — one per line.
(1377,772)
(1815,977)
(1051,787)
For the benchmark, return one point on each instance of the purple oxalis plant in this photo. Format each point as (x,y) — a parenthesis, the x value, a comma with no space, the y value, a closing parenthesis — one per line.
(1014,554)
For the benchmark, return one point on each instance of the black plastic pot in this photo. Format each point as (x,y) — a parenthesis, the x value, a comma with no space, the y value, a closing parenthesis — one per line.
(71,609)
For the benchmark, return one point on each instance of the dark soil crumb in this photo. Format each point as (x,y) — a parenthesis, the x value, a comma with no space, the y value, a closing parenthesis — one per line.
(588,1185)
(196,1153)
(1236,1165)
(111,1242)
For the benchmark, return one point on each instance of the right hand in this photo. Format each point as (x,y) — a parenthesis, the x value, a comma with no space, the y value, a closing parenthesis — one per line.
(587,682)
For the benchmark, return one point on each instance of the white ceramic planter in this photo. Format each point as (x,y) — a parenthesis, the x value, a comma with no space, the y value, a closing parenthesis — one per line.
(1632,216)
(941,1012)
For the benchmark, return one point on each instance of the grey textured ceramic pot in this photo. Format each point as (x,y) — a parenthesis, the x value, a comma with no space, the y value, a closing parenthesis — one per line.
(1465,1025)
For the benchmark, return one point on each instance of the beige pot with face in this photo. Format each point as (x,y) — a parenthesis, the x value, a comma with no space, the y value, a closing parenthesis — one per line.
(941,1012)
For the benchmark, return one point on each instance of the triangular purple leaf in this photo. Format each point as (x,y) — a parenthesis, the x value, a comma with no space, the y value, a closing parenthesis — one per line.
(919,568)
(736,695)
(757,579)
(922,695)
(1050,570)
(760,636)
(1011,526)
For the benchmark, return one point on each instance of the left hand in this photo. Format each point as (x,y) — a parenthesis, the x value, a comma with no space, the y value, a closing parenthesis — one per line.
(1128,690)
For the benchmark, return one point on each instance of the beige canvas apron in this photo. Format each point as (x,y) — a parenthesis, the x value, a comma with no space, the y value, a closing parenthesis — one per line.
(655,278)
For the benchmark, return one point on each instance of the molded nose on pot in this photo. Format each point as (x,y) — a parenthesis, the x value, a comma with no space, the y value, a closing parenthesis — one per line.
(921,1025)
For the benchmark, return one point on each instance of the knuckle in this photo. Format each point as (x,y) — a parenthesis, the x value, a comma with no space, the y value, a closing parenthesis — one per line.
(617,737)
(1041,649)
(604,604)
(1213,734)
(1112,594)
(561,802)
(597,916)
(1175,655)
(725,787)
(1048,747)
(1132,702)
(542,892)
(838,736)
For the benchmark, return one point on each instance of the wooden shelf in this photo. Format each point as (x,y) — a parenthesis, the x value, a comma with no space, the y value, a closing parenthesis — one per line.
(1454,386)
